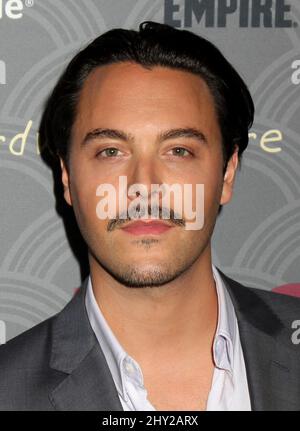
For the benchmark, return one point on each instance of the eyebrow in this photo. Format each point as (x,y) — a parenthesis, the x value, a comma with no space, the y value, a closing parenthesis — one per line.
(186,132)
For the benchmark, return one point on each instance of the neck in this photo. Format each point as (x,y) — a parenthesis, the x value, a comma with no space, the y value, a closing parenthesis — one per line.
(175,316)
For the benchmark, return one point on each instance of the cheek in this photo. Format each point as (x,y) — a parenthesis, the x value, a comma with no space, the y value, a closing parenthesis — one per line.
(212,181)
(213,192)
(84,199)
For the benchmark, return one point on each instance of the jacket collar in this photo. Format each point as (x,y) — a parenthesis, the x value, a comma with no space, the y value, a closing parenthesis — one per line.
(271,359)
(272,365)
(88,384)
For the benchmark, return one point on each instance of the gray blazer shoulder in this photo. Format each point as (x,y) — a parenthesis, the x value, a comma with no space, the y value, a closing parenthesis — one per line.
(59,365)
(25,375)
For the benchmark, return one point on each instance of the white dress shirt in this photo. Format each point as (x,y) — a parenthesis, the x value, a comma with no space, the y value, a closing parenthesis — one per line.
(229,389)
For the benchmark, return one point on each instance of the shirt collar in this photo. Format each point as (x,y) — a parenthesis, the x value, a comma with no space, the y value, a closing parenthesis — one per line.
(225,336)
(121,364)
(116,357)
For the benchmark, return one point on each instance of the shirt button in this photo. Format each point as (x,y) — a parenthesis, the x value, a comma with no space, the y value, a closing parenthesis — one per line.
(129,367)
(221,343)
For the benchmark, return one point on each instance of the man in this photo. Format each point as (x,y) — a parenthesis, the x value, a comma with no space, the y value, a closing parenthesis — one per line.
(156,326)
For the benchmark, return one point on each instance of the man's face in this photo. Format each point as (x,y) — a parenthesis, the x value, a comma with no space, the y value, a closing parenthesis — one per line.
(144,104)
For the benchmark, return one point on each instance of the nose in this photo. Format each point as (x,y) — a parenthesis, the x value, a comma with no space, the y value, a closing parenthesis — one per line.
(144,173)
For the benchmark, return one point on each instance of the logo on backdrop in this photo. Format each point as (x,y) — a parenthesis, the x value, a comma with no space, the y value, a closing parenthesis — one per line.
(13,9)
(219,13)
(2,72)
(269,141)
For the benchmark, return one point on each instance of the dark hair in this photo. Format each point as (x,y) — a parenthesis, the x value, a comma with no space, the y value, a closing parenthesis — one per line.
(153,45)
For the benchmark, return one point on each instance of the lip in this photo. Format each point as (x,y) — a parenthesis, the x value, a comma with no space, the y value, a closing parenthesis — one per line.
(139,227)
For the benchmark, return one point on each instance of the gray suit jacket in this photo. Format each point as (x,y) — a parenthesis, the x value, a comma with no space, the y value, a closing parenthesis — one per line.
(59,365)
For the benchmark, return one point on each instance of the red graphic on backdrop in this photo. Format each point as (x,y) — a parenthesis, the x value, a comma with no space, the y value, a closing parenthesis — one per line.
(292,289)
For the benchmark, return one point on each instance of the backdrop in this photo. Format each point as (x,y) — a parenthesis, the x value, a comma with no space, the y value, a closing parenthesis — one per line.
(257,236)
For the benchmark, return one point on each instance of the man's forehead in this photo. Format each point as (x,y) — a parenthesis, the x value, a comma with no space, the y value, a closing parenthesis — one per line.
(124,95)
(128,77)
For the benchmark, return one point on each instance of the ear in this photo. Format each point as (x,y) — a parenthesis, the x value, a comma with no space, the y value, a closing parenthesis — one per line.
(229,177)
(65,181)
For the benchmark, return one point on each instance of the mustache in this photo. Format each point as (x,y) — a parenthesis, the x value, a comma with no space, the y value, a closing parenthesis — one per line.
(160,214)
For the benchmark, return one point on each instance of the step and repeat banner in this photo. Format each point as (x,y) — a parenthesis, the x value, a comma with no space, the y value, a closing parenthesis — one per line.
(257,236)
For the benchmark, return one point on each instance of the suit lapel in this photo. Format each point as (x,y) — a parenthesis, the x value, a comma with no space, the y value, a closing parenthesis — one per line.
(272,366)
(88,384)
